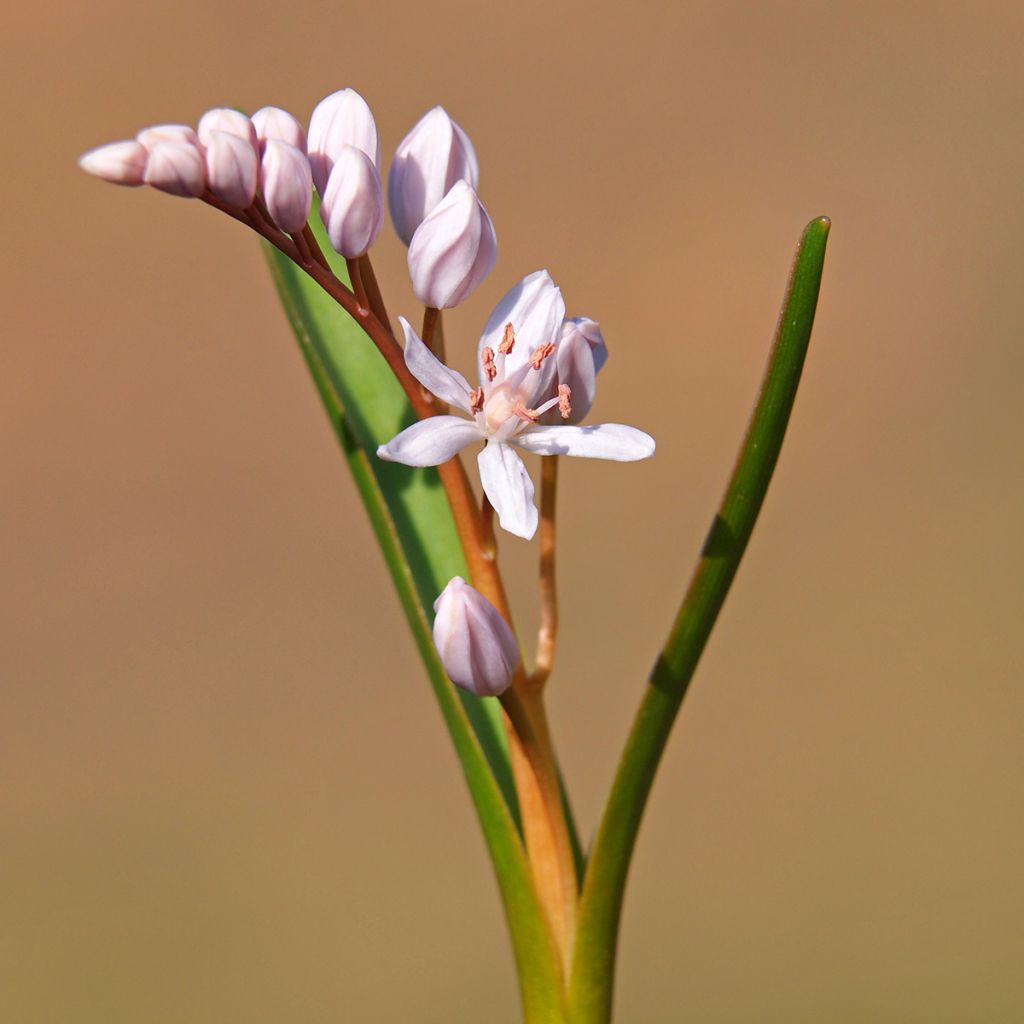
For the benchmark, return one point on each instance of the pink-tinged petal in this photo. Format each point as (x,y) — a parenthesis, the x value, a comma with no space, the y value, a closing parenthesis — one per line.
(353,203)
(574,364)
(231,169)
(453,250)
(614,441)
(509,488)
(535,309)
(176,168)
(224,119)
(339,120)
(477,646)
(286,184)
(149,137)
(449,385)
(431,441)
(120,163)
(275,123)
(428,162)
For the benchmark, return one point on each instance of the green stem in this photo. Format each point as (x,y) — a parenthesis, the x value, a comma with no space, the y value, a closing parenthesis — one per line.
(590,990)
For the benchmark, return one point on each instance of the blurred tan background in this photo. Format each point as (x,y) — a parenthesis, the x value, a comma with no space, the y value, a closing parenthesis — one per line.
(225,793)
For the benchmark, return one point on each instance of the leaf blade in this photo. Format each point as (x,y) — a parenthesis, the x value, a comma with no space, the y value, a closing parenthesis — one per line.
(540,979)
(590,990)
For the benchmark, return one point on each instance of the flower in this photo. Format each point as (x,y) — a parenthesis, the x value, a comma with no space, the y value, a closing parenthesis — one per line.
(275,123)
(232,169)
(428,161)
(453,250)
(286,184)
(353,203)
(341,119)
(477,646)
(224,119)
(176,168)
(120,163)
(516,370)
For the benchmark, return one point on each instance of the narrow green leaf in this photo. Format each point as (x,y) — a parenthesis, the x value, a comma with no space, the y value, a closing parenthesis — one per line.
(326,339)
(590,991)
(375,408)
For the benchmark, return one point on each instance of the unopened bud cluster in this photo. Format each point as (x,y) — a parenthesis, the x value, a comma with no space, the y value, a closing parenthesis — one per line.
(267,166)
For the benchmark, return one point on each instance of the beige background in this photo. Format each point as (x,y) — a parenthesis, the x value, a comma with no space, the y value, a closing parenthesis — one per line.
(226,793)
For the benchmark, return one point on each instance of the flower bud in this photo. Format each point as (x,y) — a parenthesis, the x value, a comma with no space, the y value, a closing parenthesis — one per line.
(579,354)
(353,203)
(477,647)
(149,137)
(223,119)
(453,250)
(121,163)
(286,184)
(339,120)
(176,168)
(275,123)
(429,160)
(231,169)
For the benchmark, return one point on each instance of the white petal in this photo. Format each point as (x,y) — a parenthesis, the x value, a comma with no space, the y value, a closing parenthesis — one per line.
(535,309)
(431,441)
(449,385)
(508,488)
(613,441)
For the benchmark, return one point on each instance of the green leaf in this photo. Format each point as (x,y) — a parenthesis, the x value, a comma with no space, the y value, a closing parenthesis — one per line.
(363,391)
(412,521)
(590,990)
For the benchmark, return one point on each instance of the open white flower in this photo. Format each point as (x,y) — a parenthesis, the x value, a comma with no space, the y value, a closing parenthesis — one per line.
(516,367)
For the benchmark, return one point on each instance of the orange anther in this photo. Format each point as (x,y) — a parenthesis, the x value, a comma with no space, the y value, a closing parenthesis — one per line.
(540,354)
(487,360)
(564,394)
(508,340)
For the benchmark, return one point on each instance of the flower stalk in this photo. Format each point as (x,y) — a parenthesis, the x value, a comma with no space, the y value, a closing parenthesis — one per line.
(548,632)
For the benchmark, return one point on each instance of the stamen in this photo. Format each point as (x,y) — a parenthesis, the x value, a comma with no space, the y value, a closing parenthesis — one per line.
(476,399)
(508,340)
(564,394)
(487,359)
(540,354)
(527,415)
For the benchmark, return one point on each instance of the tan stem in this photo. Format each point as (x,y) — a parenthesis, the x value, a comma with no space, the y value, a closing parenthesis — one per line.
(548,633)
(373,293)
(355,275)
(314,247)
(545,830)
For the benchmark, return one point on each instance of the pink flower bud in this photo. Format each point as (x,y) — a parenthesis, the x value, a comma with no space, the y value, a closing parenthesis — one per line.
(339,120)
(176,168)
(286,184)
(429,160)
(231,169)
(579,354)
(121,163)
(453,250)
(149,137)
(353,204)
(275,123)
(476,645)
(223,119)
